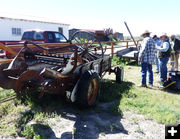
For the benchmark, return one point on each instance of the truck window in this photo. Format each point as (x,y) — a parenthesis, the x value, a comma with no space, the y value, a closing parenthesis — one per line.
(60,38)
(28,36)
(38,36)
(34,36)
(50,37)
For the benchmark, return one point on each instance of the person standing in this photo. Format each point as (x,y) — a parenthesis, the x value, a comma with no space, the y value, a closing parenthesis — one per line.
(163,55)
(157,43)
(147,55)
(175,45)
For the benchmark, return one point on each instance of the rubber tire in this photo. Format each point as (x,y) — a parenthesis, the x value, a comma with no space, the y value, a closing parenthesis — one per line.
(119,74)
(82,94)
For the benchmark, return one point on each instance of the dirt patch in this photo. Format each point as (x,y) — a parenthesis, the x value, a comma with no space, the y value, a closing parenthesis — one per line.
(91,124)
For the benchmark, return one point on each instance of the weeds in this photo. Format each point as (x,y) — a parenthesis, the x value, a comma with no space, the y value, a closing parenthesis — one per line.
(34,131)
(120,61)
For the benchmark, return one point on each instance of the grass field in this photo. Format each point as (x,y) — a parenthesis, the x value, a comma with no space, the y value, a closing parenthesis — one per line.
(162,106)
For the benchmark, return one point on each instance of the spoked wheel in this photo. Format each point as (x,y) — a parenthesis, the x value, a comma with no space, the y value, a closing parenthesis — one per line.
(27,83)
(89,46)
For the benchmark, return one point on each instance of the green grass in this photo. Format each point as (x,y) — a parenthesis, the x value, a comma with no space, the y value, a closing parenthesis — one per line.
(119,61)
(6,93)
(15,115)
(161,105)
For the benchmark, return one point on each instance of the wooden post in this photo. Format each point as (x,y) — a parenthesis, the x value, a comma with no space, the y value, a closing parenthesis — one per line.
(137,42)
(112,49)
(45,51)
(127,44)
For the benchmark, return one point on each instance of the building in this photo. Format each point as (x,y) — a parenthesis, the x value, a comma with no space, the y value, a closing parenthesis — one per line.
(83,34)
(119,36)
(99,34)
(102,35)
(12,28)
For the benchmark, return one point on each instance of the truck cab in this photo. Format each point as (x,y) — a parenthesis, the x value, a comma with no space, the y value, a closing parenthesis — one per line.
(44,36)
(37,36)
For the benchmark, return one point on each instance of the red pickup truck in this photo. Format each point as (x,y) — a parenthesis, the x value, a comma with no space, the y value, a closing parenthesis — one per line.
(38,36)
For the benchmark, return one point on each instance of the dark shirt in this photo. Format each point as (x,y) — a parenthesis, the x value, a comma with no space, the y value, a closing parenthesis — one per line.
(176,45)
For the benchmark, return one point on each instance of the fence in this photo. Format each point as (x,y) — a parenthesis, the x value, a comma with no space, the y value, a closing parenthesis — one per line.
(111,47)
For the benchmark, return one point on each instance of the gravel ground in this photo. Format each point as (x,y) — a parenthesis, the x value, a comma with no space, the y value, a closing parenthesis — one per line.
(102,125)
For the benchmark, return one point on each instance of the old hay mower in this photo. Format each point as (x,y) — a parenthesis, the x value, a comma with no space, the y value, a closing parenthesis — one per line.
(73,71)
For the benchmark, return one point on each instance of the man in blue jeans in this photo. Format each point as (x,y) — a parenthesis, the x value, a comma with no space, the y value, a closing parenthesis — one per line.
(163,55)
(147,57)
(157,42)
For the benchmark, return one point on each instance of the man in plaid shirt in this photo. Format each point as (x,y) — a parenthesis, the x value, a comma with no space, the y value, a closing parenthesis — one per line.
(147,57)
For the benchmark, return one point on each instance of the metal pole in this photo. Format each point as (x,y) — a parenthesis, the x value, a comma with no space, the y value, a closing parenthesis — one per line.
(130,33)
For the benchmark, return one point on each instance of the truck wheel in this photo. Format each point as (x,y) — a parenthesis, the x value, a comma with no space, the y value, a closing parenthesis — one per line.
(88,89)
(119,74)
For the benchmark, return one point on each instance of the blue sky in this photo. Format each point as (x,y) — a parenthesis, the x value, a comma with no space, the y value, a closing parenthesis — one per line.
(155,15)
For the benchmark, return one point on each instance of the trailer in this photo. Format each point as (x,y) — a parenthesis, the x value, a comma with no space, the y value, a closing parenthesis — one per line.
(131,53)
(73,70)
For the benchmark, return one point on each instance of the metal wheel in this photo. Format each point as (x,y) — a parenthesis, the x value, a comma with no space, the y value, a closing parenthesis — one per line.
(88,89)
(27,84)
(88,44)
(119,74)
(92,91)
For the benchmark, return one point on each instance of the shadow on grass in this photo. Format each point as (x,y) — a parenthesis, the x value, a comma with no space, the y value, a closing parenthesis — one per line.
(133,63)
(33,130)
(89,123)
(110,90)
(172,90)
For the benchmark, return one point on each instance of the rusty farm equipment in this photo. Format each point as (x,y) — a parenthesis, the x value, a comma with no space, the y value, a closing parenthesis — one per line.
(73,71)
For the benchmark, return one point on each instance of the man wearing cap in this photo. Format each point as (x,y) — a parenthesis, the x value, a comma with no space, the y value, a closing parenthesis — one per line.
(147,55)
(175,45)
(163,55)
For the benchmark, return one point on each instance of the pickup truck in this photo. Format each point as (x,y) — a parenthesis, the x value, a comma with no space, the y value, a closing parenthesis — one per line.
(38,36)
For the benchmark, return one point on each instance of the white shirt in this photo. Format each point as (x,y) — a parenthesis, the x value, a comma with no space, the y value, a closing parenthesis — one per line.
(164,47)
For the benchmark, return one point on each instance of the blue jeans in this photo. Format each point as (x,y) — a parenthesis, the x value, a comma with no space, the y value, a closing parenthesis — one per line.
(163,68)
(145,67)
(157,64)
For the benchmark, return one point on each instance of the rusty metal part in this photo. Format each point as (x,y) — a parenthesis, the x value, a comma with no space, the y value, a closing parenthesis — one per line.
(62,48)
(55,87)
(5,81)
(31,75)
(87,43)
(9,98)
(52,74)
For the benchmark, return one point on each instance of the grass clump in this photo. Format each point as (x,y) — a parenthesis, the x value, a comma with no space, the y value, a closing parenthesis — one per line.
(34,131)
(27,117)
(119,61)
(5,93)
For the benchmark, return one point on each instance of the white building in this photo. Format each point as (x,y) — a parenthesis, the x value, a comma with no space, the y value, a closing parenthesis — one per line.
(13,28)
